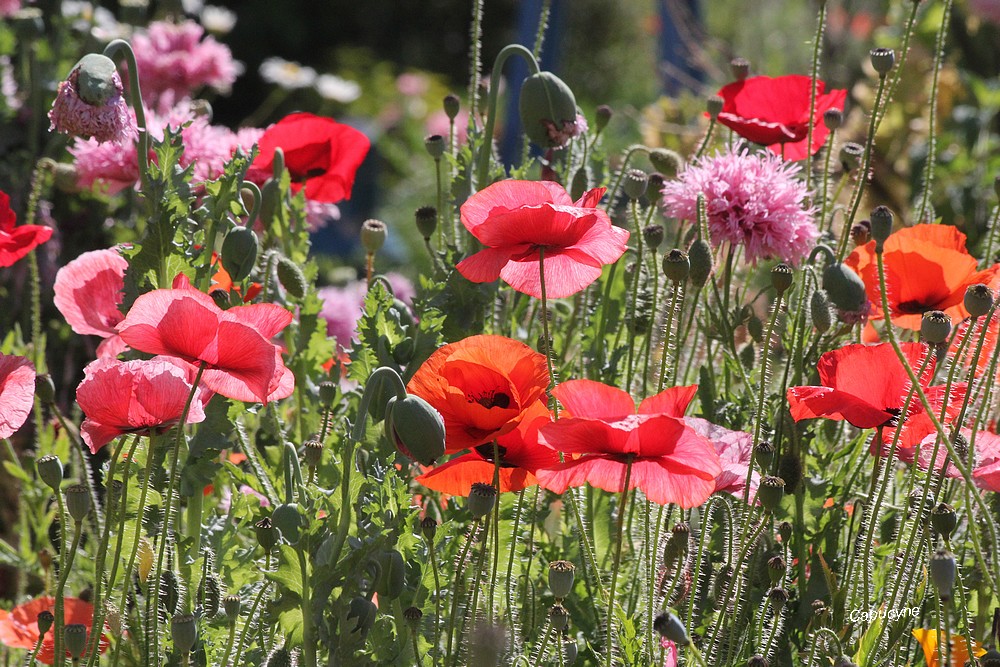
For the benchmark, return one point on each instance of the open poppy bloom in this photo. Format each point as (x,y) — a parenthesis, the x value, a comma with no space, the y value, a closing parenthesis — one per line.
(987,471)
(234,345)
(19,626)
(926,268)
(17,393)
(774,112)
(321,155)
(520,455)
(526,223)
(928,640)
(16,242)
(669,461)
(482,386)
(88,292)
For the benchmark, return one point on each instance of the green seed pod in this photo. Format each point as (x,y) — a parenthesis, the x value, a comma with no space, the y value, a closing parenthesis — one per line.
(426,218)
(270,202)
(776,569)
(634,184)
(944,520)
(833,119)
(75,636)
(819,310)
(669,626)
(373,235)
(240,251)
(714,106)
(881,221)
(50,470)
(850,156)
(943,570)
(785,531)
(451,105)
(231,605)
(547,105)
(435,146)
(602,115)
(844,287)
(45,621)
(700,254)
(935,326)
(312,452)
(482,498)
(778,597)
(95,83)
(653,236)
(978,300)
(413,616)
(561,575)
(665,161)
(770,491)
(279,657)
(558,616)
(764,454)
(416,428)
(287,518)
(291,278)
(45,390)
(78,501)
(740,68)
(363,611)
(781,278)
(676,265)
(882,60)
(184,632)
(393,574)
(327,393)
(267,535)
(402,353)
(570,650)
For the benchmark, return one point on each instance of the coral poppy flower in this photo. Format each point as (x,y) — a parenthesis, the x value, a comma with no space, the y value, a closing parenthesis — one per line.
(88,292)
(926,268)
(670,462)
(221,280)
(19,626)
(16,242)
(119,397)
(928,640)
(482,386)
(775,112)
(321,155)
(17,393)
(233,345)
(520,455)
(517,220)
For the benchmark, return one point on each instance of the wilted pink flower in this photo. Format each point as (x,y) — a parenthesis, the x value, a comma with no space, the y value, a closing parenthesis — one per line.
(342,306)
(17,393)
(173,57)
(734,449)
(103,115)
(88,292)
(752,200)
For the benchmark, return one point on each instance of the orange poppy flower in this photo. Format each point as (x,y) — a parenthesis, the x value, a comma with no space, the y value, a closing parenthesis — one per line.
(928,639)
(482,386)
(926,268)
(19,626)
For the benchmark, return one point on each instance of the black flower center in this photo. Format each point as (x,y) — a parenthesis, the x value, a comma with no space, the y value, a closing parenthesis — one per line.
(894,420)
(492,399)
(912,307)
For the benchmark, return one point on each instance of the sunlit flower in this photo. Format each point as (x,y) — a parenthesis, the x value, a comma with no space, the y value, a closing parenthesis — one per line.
(734,449)
(19,626)
(287,74)
(334,88)
(217,20)
(928,640)
(17,393)
(17,241)
(88,291)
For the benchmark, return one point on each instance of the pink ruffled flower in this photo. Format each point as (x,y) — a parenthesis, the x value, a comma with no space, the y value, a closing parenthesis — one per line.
(9,7)
(106,120)
(752,200)
(88,292)
(342,306)
(17,393)
(734,449)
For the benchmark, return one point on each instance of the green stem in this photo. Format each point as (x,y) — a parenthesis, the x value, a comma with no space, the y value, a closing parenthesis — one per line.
(125,49)
(456,589)
(622,503)
(817,46)
(65,564)
(246,626)
(765,356)
(308,641)
(942,35)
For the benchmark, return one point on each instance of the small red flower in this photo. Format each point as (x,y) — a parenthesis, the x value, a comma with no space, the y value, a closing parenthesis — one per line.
(517,220)
(19,626)
(234,345)
(482,386)
(88,292)
(774,112)
(321,155)
(17,393)
(16,242)
(670,462)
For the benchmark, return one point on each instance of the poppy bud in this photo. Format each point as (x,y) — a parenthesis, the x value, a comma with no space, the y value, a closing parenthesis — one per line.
(666,161)
(45,621)
(781,278)
(547,106)
(184,632)
(558,616)
(50,470)
(757,661)
(700,254)
(676,265)
(428,527)
(291,277)
(570,650)
(755,327)
(844,661)
(714,105)
(764,454)
(427,221)
(363,610)
(416,428)
(373,233)
(327,393)
(881,220)
(785,531)
(667,625)
(882,60)
(861,232)
(270,200)
(313,452)
(778,597)
(740,67)
(210,592)
(677,543)
(776,569)
(944,520)
(288,520)
(78,501)
(634,184)
(580,183)
(481,499)
(561,574)
(833,119)
(413,616)
(169,594)
(280,657)
(850,156)
(655,189)
(451,106)
(231,605)
(602,115)
(935,326)
(239,252)
(770,491)
(653,236)
(45,390)
(266,533)
(819,310)
(75,636)
(978,300)
(434,145)
(943,570)
(844,287)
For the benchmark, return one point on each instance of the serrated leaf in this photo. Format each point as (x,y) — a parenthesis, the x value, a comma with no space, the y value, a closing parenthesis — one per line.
(287,574)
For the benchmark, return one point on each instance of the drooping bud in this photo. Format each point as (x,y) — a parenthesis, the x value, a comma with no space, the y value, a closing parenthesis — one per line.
(548,110)
(770,491)
(714,106)
(240,250)
(291,277)
(740,67)
(676,265)
(392,576)
(75,636)
(602,114)
(435,146)
(665,161)
(363,611)
(943,570)
(844,287)
(50,470)
(78,501)
(184,632)
(373,234)
(944,520)
(427,220)
(634,184)
(580,183)
(700,254)
(667,625)
(882,60)
(881,220)
(288,519)
(45,390)
(935,326)
(481,499)
(978,300)
(561,575)
(833,119)
(451,105)
(781,278)
(416,428)
(819,310)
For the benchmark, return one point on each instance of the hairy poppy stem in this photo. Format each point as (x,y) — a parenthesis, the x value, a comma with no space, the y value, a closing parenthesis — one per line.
(622,503)
(64,567)
(545,328)
(120,46)
(929,164)
(456,589)
(817,47)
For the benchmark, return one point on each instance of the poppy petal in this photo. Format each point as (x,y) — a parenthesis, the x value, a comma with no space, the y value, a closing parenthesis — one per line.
(594,400)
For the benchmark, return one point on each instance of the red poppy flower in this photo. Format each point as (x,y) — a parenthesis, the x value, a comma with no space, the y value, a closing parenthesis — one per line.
(482,386)
(670,462)
(775,112)
(321,155)
(234,345)
(119,397)
(16,242)
(520,455)
(516,220)
(17,393)
(19,626)
(88,292)
(926,268)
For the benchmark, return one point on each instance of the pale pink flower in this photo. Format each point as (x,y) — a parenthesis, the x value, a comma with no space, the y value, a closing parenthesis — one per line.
(17,393)
(342,306)
(106,121)
(734,449)
(438,123)
(9,7)
(988,10)
(88,291)
(752,200)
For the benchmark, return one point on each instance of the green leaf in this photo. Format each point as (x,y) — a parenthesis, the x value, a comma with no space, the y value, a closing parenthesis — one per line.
(287,574)
(290,622)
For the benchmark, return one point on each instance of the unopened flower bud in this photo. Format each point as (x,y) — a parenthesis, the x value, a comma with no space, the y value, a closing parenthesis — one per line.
(714,105)
(267,534)
(435,146)
(288,519)
(944,520)
(881,221)
(78,501)
(781,278)
(978,300)
(653,236)
(416,428)
(882,60)
(833,119)
(481,499)
(428,527)
(602,115)
(45,390)
(561,574)
(50,470)
(75,636)
(231,605)
(547,106)
(373,233)
(770,491)
(580,183)
(935,326)
(451,105)
(291,277)
(844,287)
(819,310)
(392,576)
(943,570)
(666,161)
(45,621)
(184,632)
(240,250)
(700,254)
(740,67)
(427,220)
(634,184)
(570,650)
(363,611)
(280,657)
(850,156)
(667,625)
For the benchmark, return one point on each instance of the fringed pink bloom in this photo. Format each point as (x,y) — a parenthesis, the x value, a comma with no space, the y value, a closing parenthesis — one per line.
(103,115)
(88,292)
(734,449)
(752,200)
(17,393)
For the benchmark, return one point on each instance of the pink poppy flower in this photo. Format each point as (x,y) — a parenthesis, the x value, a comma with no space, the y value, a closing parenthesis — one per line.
(517,220)
(119,397)
(987,471)
(734,449)
(17,393)
(88,292)
(233,345)
(16,242)
(670,462)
